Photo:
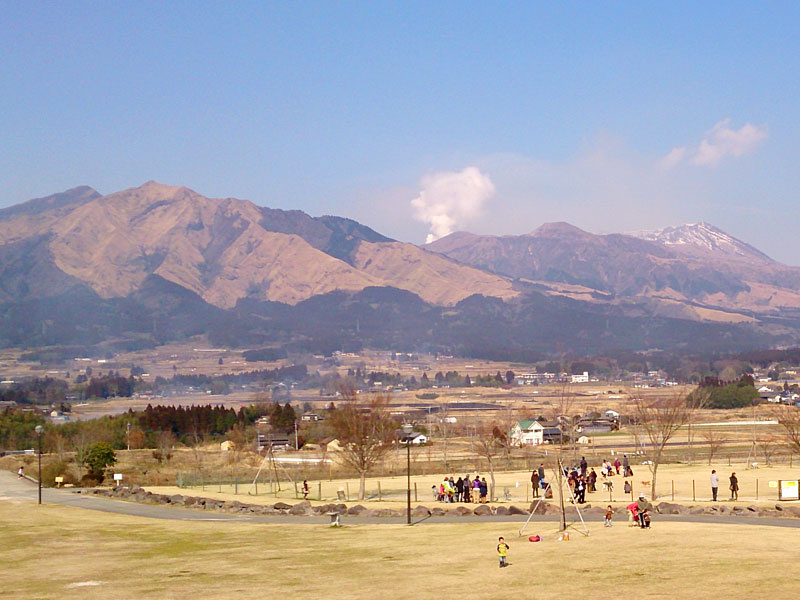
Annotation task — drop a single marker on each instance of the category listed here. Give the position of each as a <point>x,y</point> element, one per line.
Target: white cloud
<point>450,199</point>
<point>720,142</point>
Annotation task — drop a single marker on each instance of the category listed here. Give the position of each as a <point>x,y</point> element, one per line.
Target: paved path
<point>14,489</point>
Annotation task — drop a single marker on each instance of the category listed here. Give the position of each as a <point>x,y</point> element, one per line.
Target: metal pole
<point>408,481</point>
<point>40,467</point>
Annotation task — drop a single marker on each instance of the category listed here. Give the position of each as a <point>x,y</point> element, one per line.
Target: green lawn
<point>59,552</point>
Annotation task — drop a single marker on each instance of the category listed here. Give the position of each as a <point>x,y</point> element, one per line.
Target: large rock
<point>281,506</point>
<point>301,508</point>
<point>482,509</point>
<point>501,510</point>
<point>792,510</point>
<point>668,508</point>
<point>594,510</point>
<point>438,512</point>
<point>462,511</point>
<point>539,508</point>
<point>420,511</point>
<point>516,510</point>
<point>176,499</point>
<point>355,510</point>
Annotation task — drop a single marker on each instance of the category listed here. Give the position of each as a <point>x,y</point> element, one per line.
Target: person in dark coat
<point>592,480</point>
<point>459,489</point>
<point>535,483</point>
<point>584,466</point>
<point>580,490</point>
<point>734,487</point>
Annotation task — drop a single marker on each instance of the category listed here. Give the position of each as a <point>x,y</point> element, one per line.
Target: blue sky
<point>490,118</point>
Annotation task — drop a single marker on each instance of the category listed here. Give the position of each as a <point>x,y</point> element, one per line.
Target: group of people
<point>461,490</point>
<point>582,479</point>
<point>734,485</point>
<point>639,513</point>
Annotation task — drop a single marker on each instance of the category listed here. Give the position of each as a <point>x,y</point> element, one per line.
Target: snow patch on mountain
<point>703,236</point>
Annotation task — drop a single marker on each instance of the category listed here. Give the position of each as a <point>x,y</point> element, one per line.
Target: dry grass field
<point>60,552</point>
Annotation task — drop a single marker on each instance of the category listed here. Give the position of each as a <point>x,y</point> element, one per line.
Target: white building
<point>581,378</point>
<point>527,433</point>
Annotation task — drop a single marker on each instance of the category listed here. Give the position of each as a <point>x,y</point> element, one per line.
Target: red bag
<point>534,538</point>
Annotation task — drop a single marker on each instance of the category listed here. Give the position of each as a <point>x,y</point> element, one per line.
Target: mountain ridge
<point>158,262</point>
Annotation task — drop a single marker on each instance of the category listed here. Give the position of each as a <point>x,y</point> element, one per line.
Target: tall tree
<point>659,420</point>
<point>486,445</point>
<point>365,433</point>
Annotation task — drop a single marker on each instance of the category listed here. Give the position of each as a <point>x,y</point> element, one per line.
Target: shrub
<point>56,469</point>
<point>98,457</point>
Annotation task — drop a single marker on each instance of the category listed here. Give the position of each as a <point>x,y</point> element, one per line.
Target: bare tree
<point>506,419</point>
<point>166,442</point>
<point>81,442</point>
<point>487,445</point>
<point>789,419</point>
<point>768,445</point>
<point>659,421</point>
<point>364,432</point>
<point>714,440</point>
<point>560,414</point>
<point>444,429</point>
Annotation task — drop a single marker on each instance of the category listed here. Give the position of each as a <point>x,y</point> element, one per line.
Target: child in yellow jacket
<point>502,552</point>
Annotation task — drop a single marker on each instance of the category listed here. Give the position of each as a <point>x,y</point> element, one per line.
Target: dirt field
<point>393,490</point>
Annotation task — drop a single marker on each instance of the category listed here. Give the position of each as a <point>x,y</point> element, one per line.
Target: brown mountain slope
<point>697,265</point>
<point>432,277</point>
<point>228,249</point>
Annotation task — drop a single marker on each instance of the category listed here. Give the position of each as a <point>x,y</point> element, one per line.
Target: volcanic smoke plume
<point>449,200</point>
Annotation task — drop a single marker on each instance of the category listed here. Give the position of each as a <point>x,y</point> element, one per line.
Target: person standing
<point>580,490</point>
<point>476,490</point>
<point>625,464</point>
<point>484,488</point>
<point>592,479</point>
<point>584,466</point>
<point>616,465</point>
<point>502,552</point>
<point>535,483</point>
<point>467,489</point>
<point>459,489</point>
<point>714,485</point>
<point>541,472</point>
<point>609,514</point>
<point>305,489</point>
<point>734,487</point>
<point>21,472</point>
<point>642,506</point>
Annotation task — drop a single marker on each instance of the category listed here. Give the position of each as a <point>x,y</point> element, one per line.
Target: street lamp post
<point>38,429</point>
<point>407,429</point>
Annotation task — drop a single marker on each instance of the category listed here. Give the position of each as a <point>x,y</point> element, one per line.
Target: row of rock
<point>304,508</point>
<point>752,510</point>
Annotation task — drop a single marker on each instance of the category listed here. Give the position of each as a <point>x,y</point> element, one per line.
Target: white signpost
<point>789,490</point>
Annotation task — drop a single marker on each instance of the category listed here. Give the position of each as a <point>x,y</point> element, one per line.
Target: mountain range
<point>158,262</point>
